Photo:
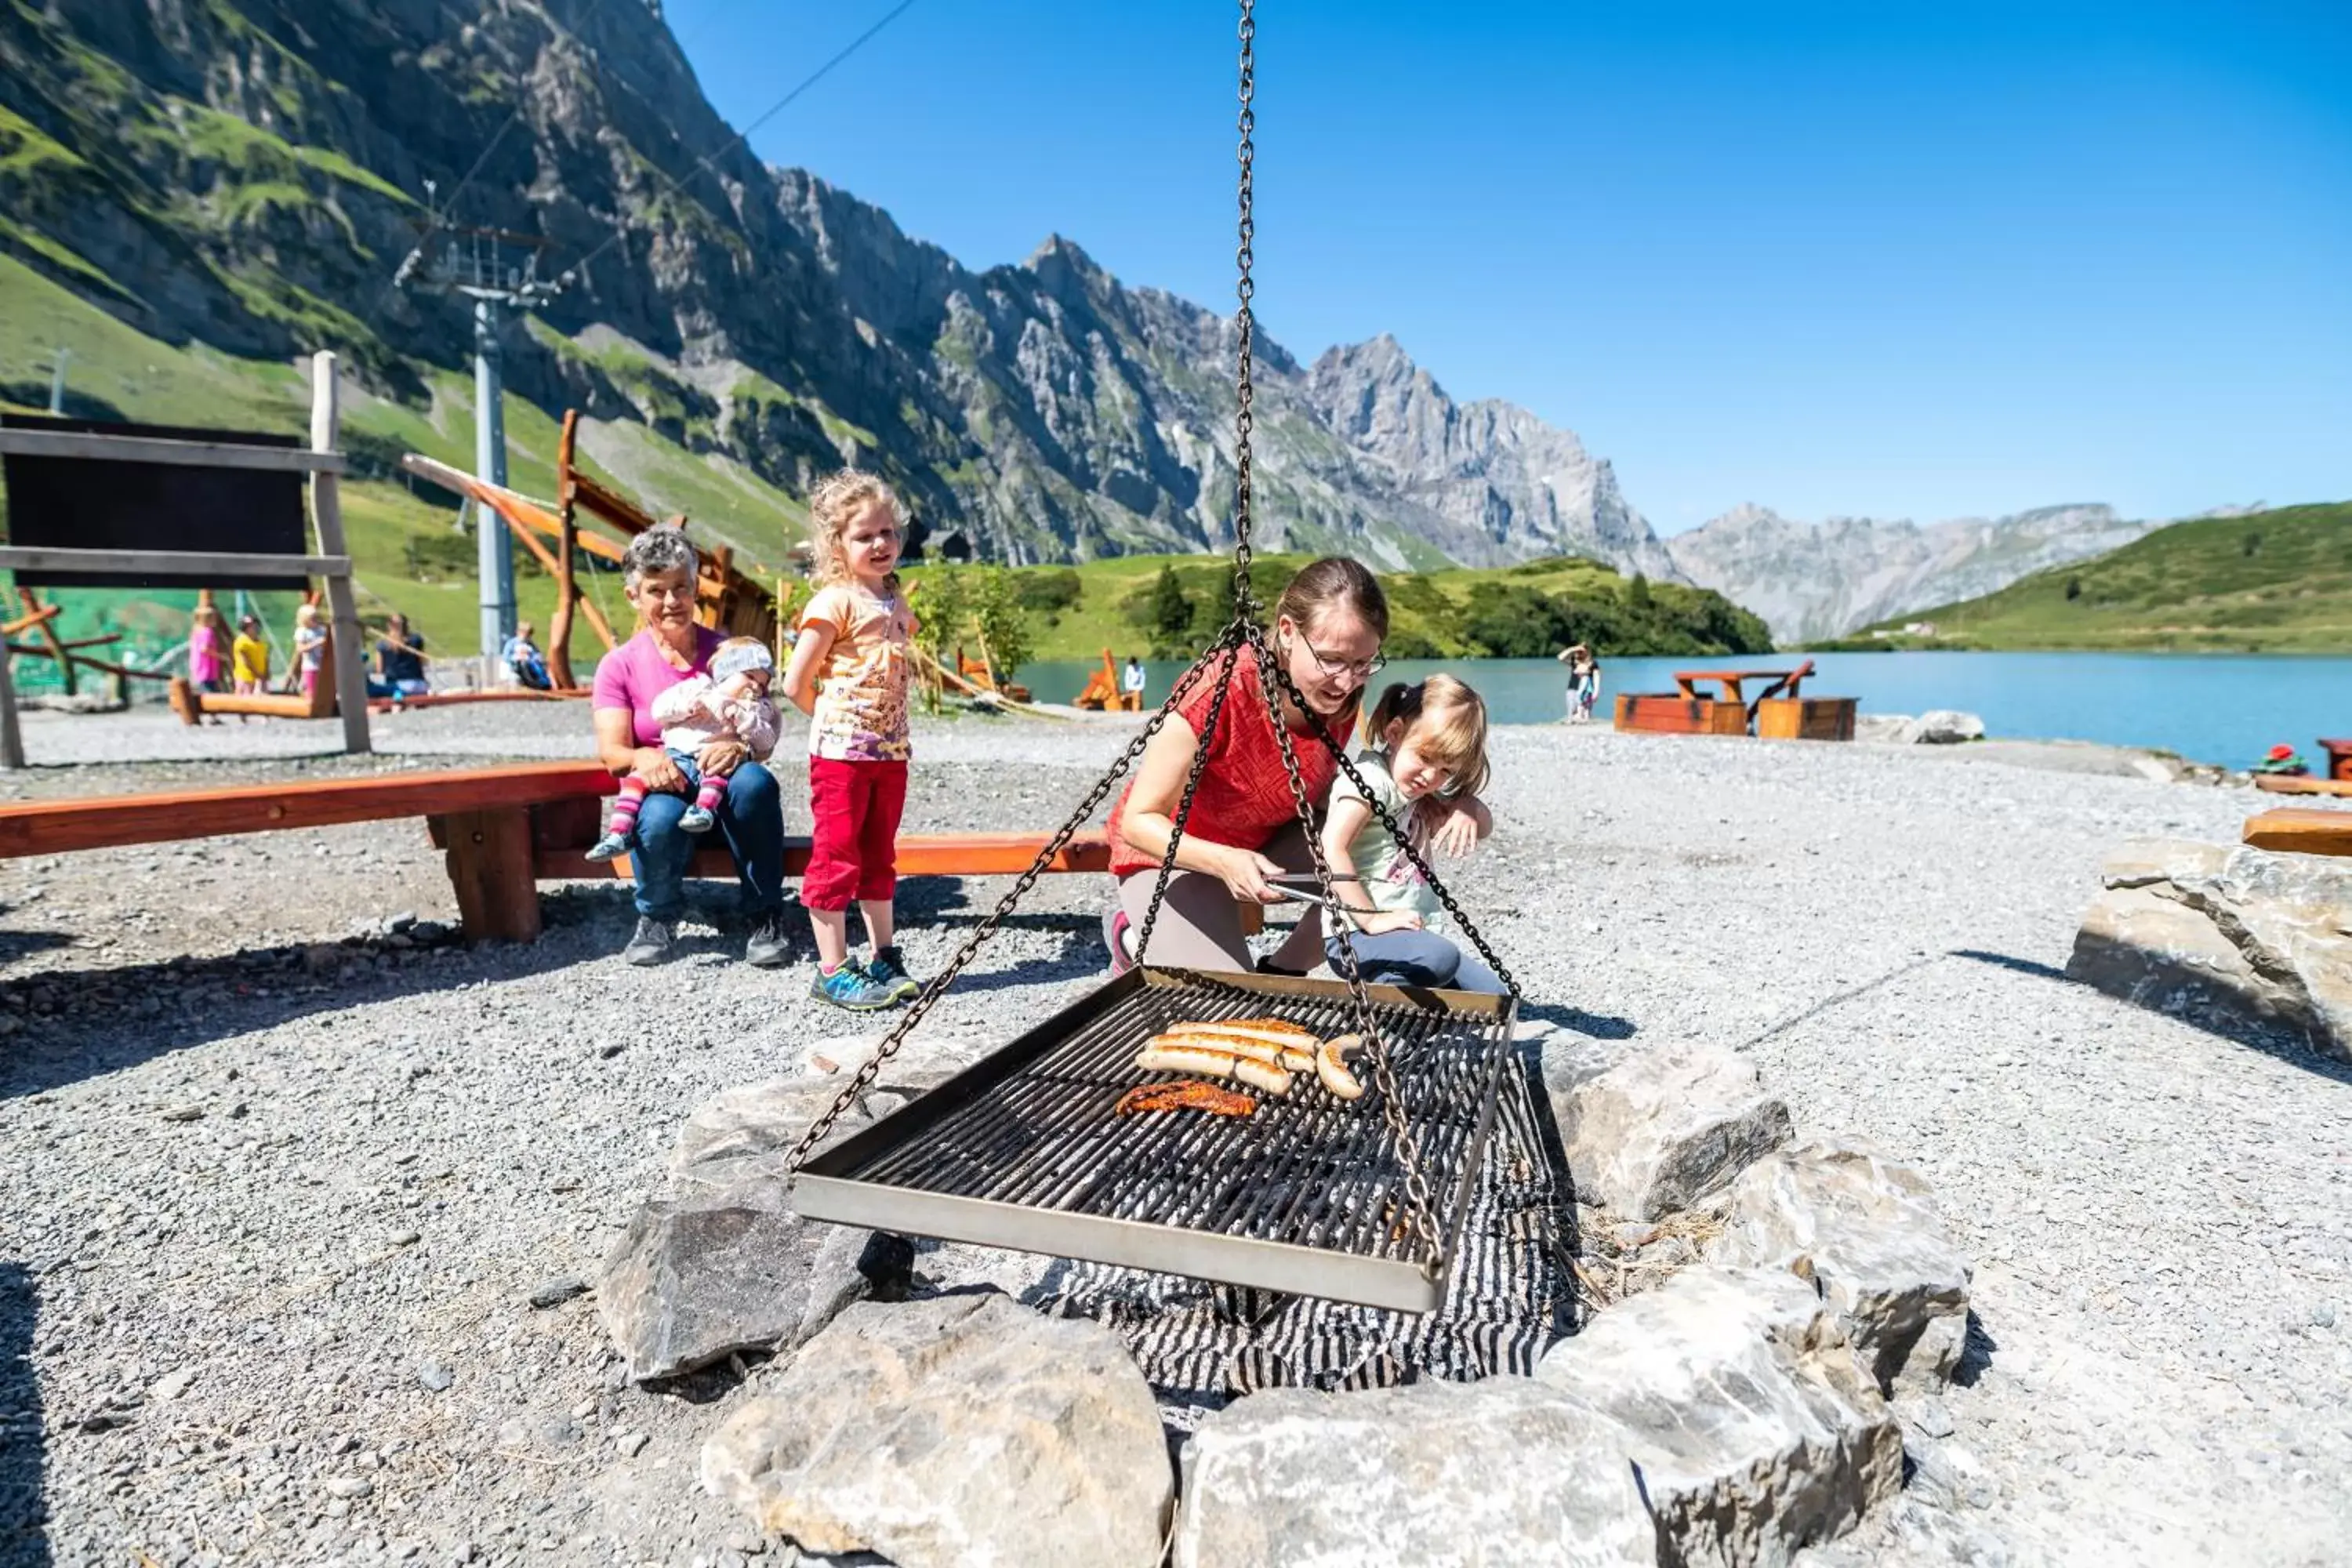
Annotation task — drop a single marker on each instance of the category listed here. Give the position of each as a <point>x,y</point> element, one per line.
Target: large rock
<point>1944,727</point>
<point>2225,934</point>
<point>965,1430</point>
<point>1754,1430</point>
<point>1660,1129</point>
<point>724,1264</point>
<point>1504,1471</point>
<point>1865,1230</point>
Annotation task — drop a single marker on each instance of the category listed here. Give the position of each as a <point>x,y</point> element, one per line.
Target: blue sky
<point>1894,260</point>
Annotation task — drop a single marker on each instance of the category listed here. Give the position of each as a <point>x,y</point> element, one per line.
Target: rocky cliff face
<point>249,173</point>
<point>1820,580</point>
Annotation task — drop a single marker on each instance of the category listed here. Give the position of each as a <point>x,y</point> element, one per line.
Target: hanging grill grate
<point>1306,1195</point>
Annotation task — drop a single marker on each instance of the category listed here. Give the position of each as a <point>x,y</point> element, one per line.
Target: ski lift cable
<point>705,163</point>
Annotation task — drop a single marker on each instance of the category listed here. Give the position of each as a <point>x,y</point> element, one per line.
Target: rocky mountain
<point>1820,579</point>
<point>248,174</point>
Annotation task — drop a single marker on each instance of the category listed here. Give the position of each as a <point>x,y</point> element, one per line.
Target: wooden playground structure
<point>1101,693</point>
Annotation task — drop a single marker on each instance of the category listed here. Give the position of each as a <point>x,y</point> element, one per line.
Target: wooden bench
<point>504,830</point>
<point>2306,830</point>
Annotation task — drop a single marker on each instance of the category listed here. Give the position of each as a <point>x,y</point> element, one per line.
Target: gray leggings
<point>1199,926</point>
<point>1415,958</point>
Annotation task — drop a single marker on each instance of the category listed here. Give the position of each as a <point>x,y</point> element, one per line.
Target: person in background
<point>1588,690</point>
<point>249,655</point>
<point>310,646</point>
<point>522,656</point>
<point>207,652</point>
<point>657,573</point>
<point>1130,685</point>
<point>399,661</point>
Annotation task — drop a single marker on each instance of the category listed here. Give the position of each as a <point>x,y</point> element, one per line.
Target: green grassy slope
<point>1528,610</point>
<point>2273,581</point>
<point>405,552</point>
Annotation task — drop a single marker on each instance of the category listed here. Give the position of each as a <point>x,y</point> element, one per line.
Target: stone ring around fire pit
<point>1751,1303</point>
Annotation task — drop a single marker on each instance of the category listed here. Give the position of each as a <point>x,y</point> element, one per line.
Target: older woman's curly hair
<point>657,550</point>
<point>834,505</point>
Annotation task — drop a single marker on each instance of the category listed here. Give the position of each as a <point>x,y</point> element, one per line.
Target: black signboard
<point>104,503</point>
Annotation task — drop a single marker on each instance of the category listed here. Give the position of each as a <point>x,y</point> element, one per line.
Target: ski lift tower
<point>498,270</point>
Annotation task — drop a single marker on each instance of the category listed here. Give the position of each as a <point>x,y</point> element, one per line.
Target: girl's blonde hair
<point>306,614</point>
<point>206,615</point>
<point>834,505</point>
<point>1447,720</point>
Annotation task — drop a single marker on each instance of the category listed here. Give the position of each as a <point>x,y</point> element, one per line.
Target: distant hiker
<point>207,654</point>
<point>310,646</point>
<point>250,656</point>
<point>524,659</point>
<point>399,661</point>
<point>1583,682</point>
<point>2282,763</point>
<point>1131,682</point>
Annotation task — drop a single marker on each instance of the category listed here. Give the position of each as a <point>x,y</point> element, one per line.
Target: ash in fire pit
<point>1508,1297</point>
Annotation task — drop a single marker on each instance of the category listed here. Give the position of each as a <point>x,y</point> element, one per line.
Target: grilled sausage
<point>1331,1066</point>
<point>1166,1054</point>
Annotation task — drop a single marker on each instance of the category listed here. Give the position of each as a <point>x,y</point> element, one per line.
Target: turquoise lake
<point>2212,707</point>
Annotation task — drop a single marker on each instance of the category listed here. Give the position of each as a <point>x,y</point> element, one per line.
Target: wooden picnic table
<point>1784,682</point>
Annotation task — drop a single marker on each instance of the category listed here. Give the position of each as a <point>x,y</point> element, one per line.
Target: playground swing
<point>1351,1200</point>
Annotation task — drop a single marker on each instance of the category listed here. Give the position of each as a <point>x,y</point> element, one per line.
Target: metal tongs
<point>1300,896</point>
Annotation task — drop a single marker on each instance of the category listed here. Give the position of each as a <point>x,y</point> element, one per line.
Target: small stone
<point>1933,1417</point>
<point>184,1113</point>
<point>435,1377</point>
<point>631,1444</point>
<point>346,1444</point>
<point>555,1292</point>
<point>824,1064</point>
<point>1631,1237</point>
<point>427,931</point>
<point>407,1238</point>
<point>405,921</point>
<point>611,1050</point>
<point>347,1486</point>
<point>171,1385</point>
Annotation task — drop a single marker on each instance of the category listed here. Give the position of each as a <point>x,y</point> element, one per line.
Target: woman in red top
<point>1243,829</point>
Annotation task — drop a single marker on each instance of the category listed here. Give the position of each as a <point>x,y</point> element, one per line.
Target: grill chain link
<point>1421,1212</point>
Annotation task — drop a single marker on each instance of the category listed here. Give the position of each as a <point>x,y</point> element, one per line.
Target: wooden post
<point>47,630</point>
<point>11,742</point>
<point>327,517</point>
<point>567,494</point>
<point>492,871</point>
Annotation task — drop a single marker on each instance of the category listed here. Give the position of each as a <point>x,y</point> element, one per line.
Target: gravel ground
<point>277,1211</point>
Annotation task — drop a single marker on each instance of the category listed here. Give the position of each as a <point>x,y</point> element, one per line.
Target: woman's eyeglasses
<point>1357,669</point>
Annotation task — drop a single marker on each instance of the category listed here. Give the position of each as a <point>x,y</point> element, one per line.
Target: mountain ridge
<point>1811,580</point>
<point>242,173</point>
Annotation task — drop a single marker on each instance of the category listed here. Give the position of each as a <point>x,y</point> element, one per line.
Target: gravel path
<point>278,1210</point>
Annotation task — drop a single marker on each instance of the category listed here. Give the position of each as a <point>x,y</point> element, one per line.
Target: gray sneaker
<point>889,969</point>
<point>653,942</point>
<point>771,946</point>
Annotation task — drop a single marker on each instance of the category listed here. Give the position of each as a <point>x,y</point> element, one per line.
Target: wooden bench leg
<point>1253,917</point>
<point>490,868</point>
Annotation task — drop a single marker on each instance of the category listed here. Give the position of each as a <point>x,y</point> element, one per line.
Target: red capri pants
<point>855,853</point>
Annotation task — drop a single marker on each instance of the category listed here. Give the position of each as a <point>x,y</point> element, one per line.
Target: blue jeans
<point>1414,958</point>
<point>752,820</point>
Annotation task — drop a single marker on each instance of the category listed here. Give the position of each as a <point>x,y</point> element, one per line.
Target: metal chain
<point>1246,605</point>
<point>1421,1209</point>
<point>863,1080</point>
<point>1228,646</point>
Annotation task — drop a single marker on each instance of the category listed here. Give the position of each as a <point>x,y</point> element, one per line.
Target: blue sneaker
<point>612,847</point>
<point>888,970</point>
<point>850,988</point>
<point>695,819</point>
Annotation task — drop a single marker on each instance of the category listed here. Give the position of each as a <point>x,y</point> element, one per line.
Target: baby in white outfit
<point>730,704</point>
